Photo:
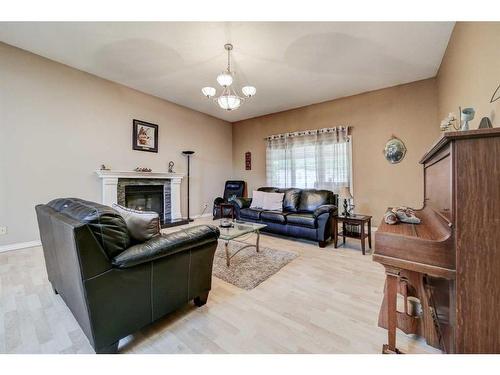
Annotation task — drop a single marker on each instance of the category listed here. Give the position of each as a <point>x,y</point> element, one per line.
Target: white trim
<point>200,216</point>
<point>134,174</point>
<point>110,187</point>
<point>19,246</point>
<point>175,198</point>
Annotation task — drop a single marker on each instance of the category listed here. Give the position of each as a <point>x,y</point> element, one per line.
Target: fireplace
<point>146,198</point>
<point>155,191</point>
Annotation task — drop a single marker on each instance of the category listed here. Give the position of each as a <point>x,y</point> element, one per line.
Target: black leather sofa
<point>112,285</point>
<point>307,213</point>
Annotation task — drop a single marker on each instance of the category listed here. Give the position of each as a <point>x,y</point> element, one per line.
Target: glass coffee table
<point>239,228</point>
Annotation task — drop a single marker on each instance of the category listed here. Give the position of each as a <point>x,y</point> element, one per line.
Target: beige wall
<point>408,112</point>
<point>58,125</point>
<point>470,71</point>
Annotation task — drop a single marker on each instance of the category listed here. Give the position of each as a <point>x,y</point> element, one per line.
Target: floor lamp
<point>188,154</point>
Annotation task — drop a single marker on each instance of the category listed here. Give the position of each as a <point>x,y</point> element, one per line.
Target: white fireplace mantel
<point>110,186</point>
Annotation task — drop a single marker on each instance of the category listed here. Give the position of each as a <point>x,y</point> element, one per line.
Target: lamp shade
<point>208,91</point>
<point>345,193</point>
<point>229,102</point>
<point>249,91</point>
<point>225,79</point>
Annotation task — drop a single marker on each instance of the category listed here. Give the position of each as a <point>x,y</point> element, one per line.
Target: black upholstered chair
<point>233,189</point>
<point>113,285</point>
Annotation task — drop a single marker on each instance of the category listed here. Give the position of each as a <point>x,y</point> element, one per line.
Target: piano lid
<point>426,247</point>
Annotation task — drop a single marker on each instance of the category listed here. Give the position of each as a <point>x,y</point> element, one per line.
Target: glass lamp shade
<point>345,193</point>
<point>249,91</point>
<point>208,91</point>
<point>229,102</point>
<point>225,79</point>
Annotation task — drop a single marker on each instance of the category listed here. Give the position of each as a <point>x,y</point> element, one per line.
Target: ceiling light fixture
<point>228,100</point>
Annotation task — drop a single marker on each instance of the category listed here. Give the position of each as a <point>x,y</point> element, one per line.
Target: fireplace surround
<point>145,189</point>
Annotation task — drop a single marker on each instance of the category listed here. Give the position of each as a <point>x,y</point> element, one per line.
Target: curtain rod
<point>309,132</point>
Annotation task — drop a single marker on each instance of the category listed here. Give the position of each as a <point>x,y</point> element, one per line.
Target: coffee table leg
<point>257,241</point>
<point>228,258</point>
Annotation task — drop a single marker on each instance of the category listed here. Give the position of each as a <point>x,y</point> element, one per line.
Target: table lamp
<point>345,194</point>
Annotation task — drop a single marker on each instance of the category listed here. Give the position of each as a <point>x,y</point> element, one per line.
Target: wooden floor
<point>325,301</point>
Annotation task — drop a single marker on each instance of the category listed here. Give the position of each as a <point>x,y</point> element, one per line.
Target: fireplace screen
<point>145,198</point>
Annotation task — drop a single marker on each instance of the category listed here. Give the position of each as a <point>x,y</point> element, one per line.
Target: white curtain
<point>319,159</point>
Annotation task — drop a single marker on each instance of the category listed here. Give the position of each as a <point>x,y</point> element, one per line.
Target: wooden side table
<point>226,208</point>
<point>349,223</point>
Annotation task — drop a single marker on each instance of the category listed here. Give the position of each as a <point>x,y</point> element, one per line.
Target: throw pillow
<point>273,201</point>
<point>257,199</point>
<point>142,225</point>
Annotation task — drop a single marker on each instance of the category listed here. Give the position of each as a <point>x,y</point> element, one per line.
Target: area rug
<point>249,268</point>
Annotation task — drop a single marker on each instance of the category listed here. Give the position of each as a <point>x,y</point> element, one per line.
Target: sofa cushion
<point>142,225</point>
<point>273,201</point>
<point>273,216</point>
<point>302,219</point>
<point>257,199</point>
<point>106,224</point>
<point>291,200</point>
<point>312,199</point>
<point>250,213</point>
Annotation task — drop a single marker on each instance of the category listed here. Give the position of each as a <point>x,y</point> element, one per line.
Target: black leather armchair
<point>306,213</point>
<point>232,189</point>
<point>113,286</point>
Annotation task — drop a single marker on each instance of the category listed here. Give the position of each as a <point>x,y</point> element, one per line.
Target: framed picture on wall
<point>248,161</point>
<point>144,136</point>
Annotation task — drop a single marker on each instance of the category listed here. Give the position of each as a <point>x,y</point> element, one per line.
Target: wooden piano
<point>445,272</point>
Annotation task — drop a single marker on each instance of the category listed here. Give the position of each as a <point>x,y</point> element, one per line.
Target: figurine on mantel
<point>171,167</point>
<point>104,168</point>
<point>142,169</point>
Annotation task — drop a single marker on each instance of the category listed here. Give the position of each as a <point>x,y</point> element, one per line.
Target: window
<point>319,159</point>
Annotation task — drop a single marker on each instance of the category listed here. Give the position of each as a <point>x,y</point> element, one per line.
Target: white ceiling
<point>291,64</point>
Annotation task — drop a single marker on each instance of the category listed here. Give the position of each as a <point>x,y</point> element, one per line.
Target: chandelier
<point>229,98</point>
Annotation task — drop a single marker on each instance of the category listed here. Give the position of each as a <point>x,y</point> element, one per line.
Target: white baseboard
<point>200,216</point>
<point>19,246</point>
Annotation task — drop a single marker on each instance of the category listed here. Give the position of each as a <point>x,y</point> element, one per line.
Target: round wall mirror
<point>395,150</point>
